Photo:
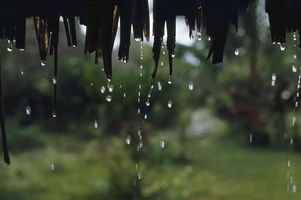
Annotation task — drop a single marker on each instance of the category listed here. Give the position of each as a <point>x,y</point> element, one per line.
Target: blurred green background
<point>216,132</point>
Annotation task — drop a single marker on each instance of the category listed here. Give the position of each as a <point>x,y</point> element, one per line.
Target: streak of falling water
<point>52,166</point>
<point>190,86</point>
<point>159,86</point>
<point>95,124</point>
<point>294,68</point>
<point>21,71</point>
<point>28,110</point>
<point>162,144</point>
<point>274,77</point>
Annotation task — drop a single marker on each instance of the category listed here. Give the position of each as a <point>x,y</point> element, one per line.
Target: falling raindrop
<point>294,188</point>
<point>295,56</point>
<point>91,84</point>
<point>54,114</point>
<point>95,124</point>
<point>173,55</point>
<point>147,103</point>
<point>52,166</point>
<point>236,52</point>
<point>137,39</point>
<point>128,140</point>
<point>140,176</point>
<point>124,95</point>
<point>169,104</point>
<point>21,49</point>
<point>108,98</point>
<point>43,63</point>
<point>28,110</point>
<point>162,144</point>
<point>110,88</point>
<point>274,77</point>
<point>251,138</point>
<point>159,86</point>
<point>145,116</point>
<point>162,64</point>
<point>294,68</point>
<point>190,86</point>
<point>103,89</point>
<point>288,163</point>
<point>169,80</point>
<point>282,47</point>
<point>21,72</point>
<point>9,46</point>
<point>54,81</point>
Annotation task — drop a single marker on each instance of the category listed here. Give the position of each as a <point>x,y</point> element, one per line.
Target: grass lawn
<point>211,167</point>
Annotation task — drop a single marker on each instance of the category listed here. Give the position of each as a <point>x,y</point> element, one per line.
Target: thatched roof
<point>102,16</point>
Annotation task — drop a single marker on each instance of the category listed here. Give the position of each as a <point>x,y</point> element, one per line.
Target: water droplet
<point>162,64</point>
<point>110,87</point>
<point>236,52</point>
<point>103,89</point>
<point>282,47</point>
<point>137,39</point>
<point>43,63</point>
<point>21,49</point>
<point>54,81</point>
<point>53,114</point>
<point>124,95</point>
<point>9,46</point>
<point>251,138</point>
<point>21,72</point>
<point>159,86</point>
<point>173,55</point>
<point>145,116</point>
<point>190,86</point>
<point>74,46</point>
<point>128,140</point>
<point>162,144</point>
<point>147,103</point>
<point>169,80</point>
<point>294,188</point>
<point>28,110</point>
<point>141,66</point>
<point>95,124</point>
<point>209,39</point>
<point>91,84</point>
<point>108,98</point>
<point>169,104</point>
<point>288,163</point>
<point>52,166</point>
<point>140,176</point>
<point>294,68</point>
<point>274,77</point>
